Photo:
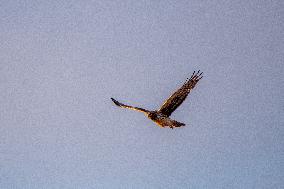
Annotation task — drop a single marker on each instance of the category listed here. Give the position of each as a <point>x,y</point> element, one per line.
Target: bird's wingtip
<point>115,102</point>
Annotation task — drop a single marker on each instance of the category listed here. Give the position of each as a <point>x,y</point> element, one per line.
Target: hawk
<point>161,116</point>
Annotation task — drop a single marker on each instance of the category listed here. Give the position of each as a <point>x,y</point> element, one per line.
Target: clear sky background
<point>61,61</point>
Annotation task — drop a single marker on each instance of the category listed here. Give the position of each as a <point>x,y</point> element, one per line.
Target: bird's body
<point>161,116</point>
<point>163,120</point>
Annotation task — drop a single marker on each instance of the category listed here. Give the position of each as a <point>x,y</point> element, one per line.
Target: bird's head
<point>152,115</point>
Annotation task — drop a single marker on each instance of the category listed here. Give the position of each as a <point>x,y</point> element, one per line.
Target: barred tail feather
<point>178,124</point>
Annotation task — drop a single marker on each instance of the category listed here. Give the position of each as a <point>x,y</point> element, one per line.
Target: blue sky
<point>62,61</point>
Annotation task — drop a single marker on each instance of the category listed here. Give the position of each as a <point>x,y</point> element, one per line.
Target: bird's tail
<point>174,123</point>
<point>178,124</point>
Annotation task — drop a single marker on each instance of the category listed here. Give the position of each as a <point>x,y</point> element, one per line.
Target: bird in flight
<point>161,116</point>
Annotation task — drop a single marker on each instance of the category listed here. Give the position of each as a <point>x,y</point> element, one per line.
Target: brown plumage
<point>161,116</point>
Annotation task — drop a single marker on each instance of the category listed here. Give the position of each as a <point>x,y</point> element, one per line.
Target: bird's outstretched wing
<point>180,95</point>
<point>129,107</point>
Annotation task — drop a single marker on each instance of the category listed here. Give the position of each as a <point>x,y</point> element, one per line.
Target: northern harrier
<point>161,116</point>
